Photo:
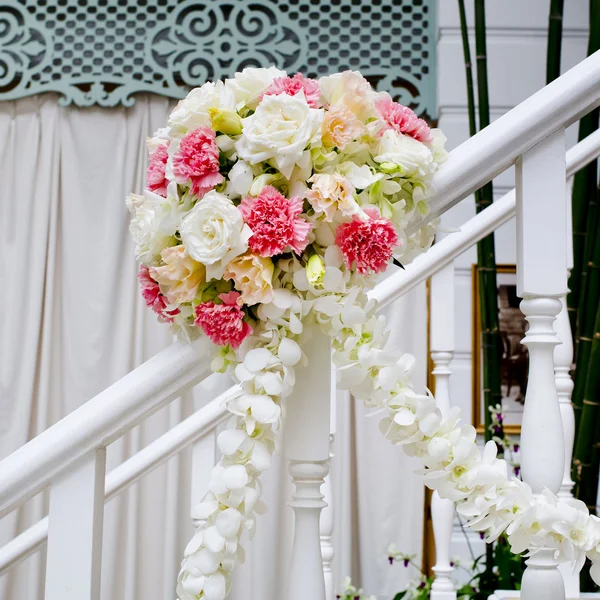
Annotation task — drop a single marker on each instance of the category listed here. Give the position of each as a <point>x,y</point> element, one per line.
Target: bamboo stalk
<point>486,251</point>
<point>584,185</point>
<point>587,382</point>
<point>486,270</point>
<point>555,26</point>
<point>588,449</point>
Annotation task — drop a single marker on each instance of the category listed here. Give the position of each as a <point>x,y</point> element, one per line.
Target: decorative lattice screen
<point>104,51</point>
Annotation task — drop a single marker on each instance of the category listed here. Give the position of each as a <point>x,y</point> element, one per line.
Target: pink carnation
<point>294,85</point>
<point>275,222</point>
<point>197,161</point>
<point>157,182</point>
<point>223,323</point>
<point>154,297</point>
<point>369,244</point>
<point>403,120</point>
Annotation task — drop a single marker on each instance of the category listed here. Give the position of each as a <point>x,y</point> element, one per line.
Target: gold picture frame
<point>515,358</point>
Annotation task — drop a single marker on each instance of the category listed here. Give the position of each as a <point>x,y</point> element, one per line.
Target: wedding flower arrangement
<point>272,204</point>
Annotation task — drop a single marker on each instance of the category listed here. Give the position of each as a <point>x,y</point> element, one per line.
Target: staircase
<point>69,458</point>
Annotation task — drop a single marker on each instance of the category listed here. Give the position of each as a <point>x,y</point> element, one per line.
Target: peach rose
<point>331,192</point>
<point>252,276</point>
<point>180,276</point>
<point>340,127</point>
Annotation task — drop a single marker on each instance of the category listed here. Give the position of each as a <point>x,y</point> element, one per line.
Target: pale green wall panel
<point>104,51</point>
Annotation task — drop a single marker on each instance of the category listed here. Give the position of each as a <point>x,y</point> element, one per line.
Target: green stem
<point>555,26</point>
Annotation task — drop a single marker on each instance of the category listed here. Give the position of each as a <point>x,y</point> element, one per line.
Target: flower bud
<point>225,121</point>
<point>315,270</point>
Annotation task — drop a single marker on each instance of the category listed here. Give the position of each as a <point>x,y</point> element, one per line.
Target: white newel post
<point>542,282</point>
<point>75,530</point>
<point>327,518</point>
<point>442,349</point>
<point>307,430</point>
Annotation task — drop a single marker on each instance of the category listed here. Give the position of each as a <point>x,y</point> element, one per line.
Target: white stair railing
<point>529,135</point>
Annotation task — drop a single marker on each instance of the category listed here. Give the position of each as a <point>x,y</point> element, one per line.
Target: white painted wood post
<point>307,448</point>
<point>76,517</point>
<point>327,519</point>
<point>563,359</point>
<point>542,282</point>
<point>442,349</point>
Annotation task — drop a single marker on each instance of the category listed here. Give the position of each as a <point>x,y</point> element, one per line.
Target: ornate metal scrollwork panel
<point>105,51</point>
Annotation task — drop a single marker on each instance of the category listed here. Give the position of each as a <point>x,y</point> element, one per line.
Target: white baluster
<point>442,348</point>
<point>541,282</point>
<point>75,530</point>
<point>563,358</point>
<point>307,448</point>
<point>327,514</point>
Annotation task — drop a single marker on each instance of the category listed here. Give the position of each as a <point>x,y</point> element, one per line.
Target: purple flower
<point>451,563</point>
<point>391,559</point>
<point>499,417</point>
<point>497,430</point>
<point>421,585</point>
<point>516,448</point>
<point>481,535</point>
<point>517,471</point>
<point>406,562</point>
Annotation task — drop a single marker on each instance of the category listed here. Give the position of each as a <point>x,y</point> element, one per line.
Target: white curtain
<point>72,322</point>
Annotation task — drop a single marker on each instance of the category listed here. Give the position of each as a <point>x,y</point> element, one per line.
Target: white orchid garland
<point>380,376</point>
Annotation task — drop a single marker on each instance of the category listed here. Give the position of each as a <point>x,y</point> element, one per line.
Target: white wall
<point>516,46</point>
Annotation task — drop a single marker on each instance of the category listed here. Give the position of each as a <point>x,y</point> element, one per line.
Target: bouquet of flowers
<point>271,202</point>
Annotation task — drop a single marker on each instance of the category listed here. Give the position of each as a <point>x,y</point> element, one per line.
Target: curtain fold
<point>72,322</point>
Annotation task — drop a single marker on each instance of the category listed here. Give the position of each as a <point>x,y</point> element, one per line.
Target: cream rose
<point>403,151</point>
<point>252,276</point>
<point>352,90</point>
<point>180,275</point>
<point>332,192</point>
<point>248,86</point>
<point>192,111</point>
<point>340,127</point>
<point>214,233</point>
<point>280,130</point>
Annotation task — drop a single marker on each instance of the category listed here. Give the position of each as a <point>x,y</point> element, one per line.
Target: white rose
<point>192,111</point>
<point>240,179</point>
<point>214,233</point>
<point>413,157</point>
<point>248,86</point>
<point>280,129</point>
<point>155,221</point>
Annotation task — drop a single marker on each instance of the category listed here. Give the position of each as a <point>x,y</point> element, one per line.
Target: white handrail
<point>497,147</point>
<point>475,229</point>
<point>128,472</point>
<point>163,377</point>
<point>101,420</point>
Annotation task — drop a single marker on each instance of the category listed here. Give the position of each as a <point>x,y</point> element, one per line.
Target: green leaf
<point>400,595</point>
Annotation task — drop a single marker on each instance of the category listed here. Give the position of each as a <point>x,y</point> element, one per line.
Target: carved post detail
<point>542,282</point>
